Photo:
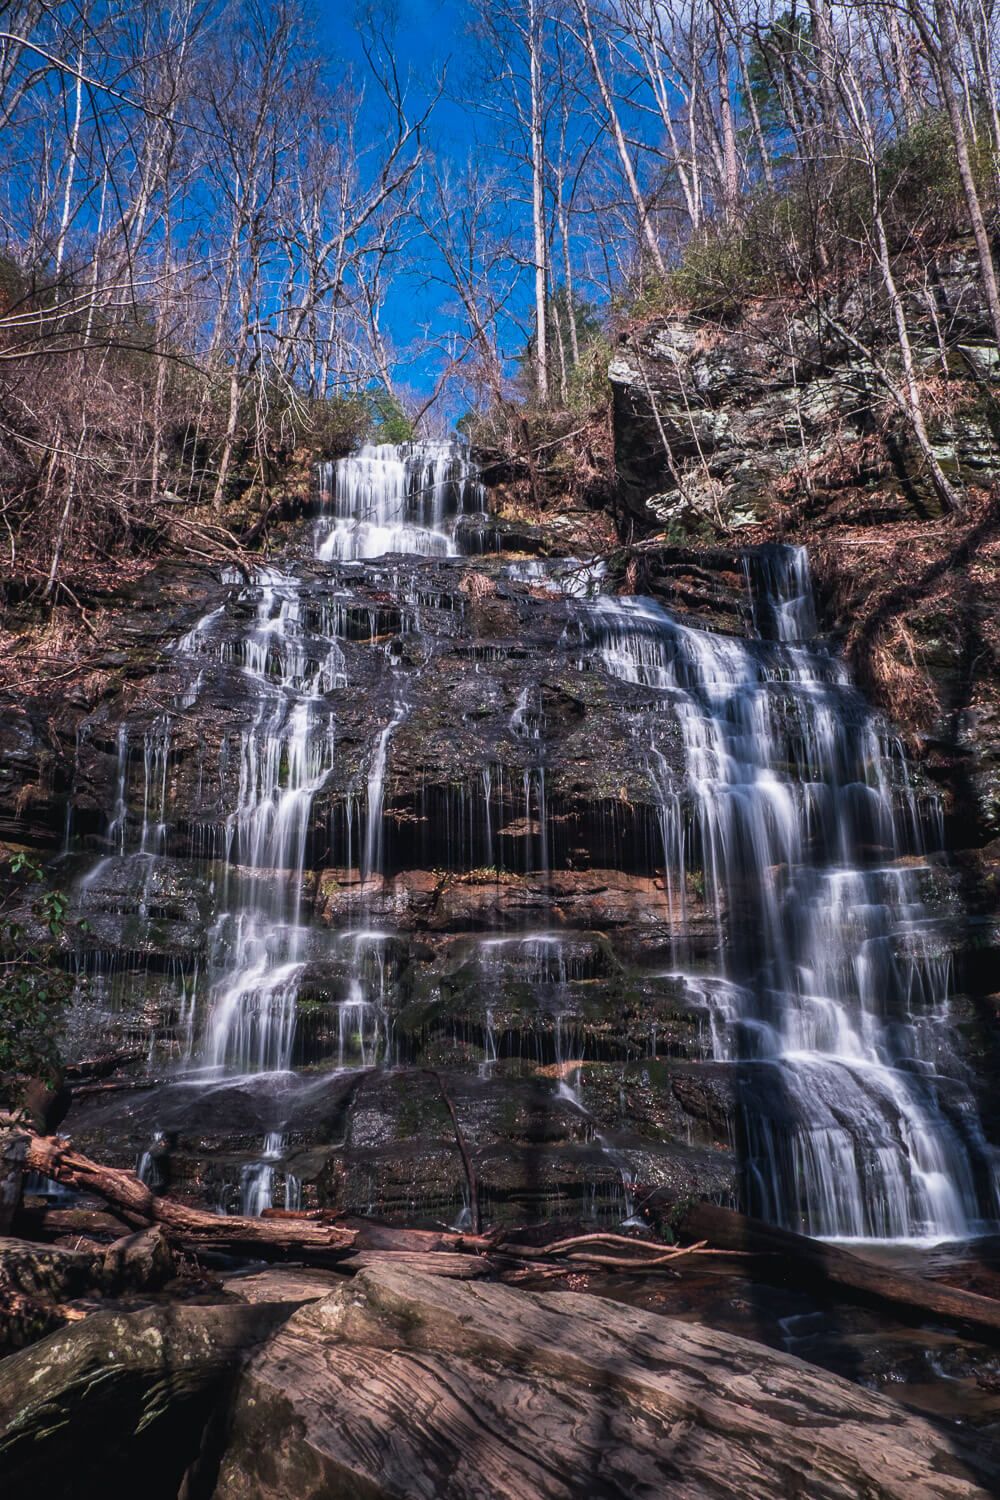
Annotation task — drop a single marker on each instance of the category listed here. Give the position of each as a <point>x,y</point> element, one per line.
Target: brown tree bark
<point>53,1157</point>
<point>788,1258</point>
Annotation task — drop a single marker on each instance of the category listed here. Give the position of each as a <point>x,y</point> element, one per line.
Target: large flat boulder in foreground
<point>404,1385</point>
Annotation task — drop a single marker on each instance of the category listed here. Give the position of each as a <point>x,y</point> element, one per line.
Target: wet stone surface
<point>388,846</point>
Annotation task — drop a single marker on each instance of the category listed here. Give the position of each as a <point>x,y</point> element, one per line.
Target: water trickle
<point>284,758</point>
<point>257,1178</point>
<point>372,853</point>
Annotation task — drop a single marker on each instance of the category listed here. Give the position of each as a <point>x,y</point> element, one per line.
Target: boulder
<point>38,1281</point>
<point>117,1404</point>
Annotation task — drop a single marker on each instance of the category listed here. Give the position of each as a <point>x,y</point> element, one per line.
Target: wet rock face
<point>494,960</point>
<point>441,888</point>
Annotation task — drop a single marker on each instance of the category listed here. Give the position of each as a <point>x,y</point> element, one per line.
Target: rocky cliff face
<point>718,417</point>
<point>766,423</point>
<point>497,971</point>
<point>486,912</point>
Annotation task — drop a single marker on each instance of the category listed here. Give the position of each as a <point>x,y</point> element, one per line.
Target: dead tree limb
<point>53,1157</point>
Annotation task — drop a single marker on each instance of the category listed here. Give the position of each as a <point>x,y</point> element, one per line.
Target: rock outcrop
<point>717,414</point>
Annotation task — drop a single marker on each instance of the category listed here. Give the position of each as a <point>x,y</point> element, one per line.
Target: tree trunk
<point>784,1257</point>
<point>624,155</point>
<point>731,170</point>
<point>538,204</point>
<point>132,1199</point>
<point>984,252</point>
<point>13,1152</point>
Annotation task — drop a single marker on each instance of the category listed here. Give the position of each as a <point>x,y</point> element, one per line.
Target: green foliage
<point>718,272</point>
<point>920,182</point>
<point>588,381</point>
<point>389,421</point>
<point>785,44</point>
<point>564,313</point>
<point>34,987</point>
<point>11,282</point>
<point>334,426</point>
<point>469,425</point>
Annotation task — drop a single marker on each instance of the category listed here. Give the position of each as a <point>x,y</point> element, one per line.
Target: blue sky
<point>430,36</point>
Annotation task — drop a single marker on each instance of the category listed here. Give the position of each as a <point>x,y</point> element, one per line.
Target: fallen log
<point>89,1068</point>
<point>99,1403</point>
<point>134,1202</point>
<point>373,1235</point>
<point>401,1384</point>
<point>452,1266</point>
<point>52,1223</point>
<point>781,1256</point>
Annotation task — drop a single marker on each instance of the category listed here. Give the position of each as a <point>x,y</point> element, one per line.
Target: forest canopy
<point>238,230</point>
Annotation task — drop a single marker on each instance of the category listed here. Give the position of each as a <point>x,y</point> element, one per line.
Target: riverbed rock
<point>402,1385</point>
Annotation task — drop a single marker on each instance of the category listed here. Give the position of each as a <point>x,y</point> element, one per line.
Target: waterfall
<point>385,498</point>
<point>284,759</point>
<point>792,851</point>
<point>803,818</point>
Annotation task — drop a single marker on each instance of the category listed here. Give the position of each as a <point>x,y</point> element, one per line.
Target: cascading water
<point>284,758</point>
<point>386,498</point>
<point>381,499</point>
<point>799,810</point>
<point>788,827</point>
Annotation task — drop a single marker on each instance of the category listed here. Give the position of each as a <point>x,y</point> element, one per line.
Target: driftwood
<point>616,1252</point>
<point>451,1265</point>
<point>772,1254</point>
<point>375,1236</point>
<point>795,1259</point>
<point>401,1384</point>
<point>59,1223</point>
<point>133,1201</point>
<point>116,1404</point>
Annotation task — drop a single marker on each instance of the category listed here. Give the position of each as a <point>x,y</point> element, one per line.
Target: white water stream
<point>793,806</point>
